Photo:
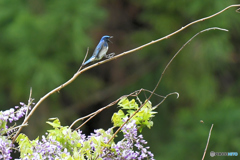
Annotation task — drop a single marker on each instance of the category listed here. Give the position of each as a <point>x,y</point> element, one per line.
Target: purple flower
<point>125,148</point>
<point>5,148</point>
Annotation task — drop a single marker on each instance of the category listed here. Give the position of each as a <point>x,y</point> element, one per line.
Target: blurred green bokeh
<point>43,43</point>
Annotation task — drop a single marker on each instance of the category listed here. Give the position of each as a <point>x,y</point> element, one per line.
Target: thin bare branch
<point>153,108</point>
<point>46,96</point>
<point>135,94</point>
<point>84,60</point>
<point>238,10</point>
<point>213,28</point>
<point>154,93</point>
<point>91,115</point>
<point>209,135</point>
<point>29,102</point>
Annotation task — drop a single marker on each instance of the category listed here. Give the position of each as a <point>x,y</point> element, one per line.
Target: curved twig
<point>91,115</point>
<point>238,10</point>
<point>153,108</point>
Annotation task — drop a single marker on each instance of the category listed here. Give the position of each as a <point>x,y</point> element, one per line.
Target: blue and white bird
<point>101,50</point>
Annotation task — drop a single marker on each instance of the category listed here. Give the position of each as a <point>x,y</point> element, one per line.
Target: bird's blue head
<point>107,38</point>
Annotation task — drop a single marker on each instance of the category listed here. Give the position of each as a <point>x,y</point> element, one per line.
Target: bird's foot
<point>110,55</point>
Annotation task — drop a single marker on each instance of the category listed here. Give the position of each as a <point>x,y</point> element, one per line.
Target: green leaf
<point>117,118</point>
<point>123,102</point>
<point>55,123</point>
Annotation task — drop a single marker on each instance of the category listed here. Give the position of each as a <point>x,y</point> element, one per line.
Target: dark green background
<point>43,43</point>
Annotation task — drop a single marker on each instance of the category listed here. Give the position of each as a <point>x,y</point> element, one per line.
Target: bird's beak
<point>109,39</point>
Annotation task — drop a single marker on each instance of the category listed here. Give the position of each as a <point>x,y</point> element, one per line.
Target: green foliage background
<point>43,43</point>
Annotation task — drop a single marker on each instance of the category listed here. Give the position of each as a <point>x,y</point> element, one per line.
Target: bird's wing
<point>98,48</point>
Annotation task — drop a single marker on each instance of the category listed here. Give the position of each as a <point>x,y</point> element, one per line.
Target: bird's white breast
<point>103,52</point>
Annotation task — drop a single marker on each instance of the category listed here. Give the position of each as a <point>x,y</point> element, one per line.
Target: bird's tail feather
<point>88,61</point>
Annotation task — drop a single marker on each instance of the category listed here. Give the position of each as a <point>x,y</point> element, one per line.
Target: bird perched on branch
<point>100,51</point>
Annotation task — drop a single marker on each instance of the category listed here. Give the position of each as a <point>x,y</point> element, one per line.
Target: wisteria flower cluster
<point>124,148</point>
<point>62,143</point>
<point>9,116</point>
<point>5,148</point>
